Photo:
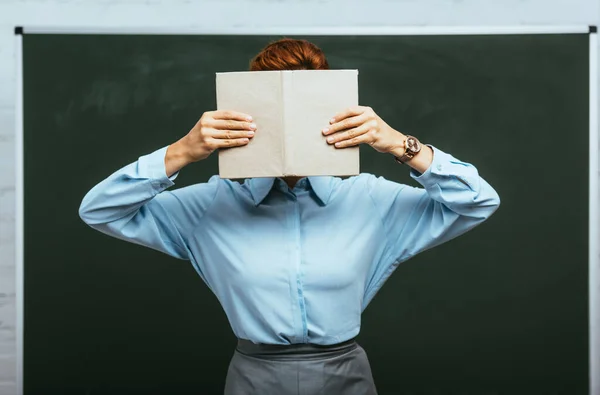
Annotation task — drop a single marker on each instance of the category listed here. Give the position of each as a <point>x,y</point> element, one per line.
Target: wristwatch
<point>412,146</point>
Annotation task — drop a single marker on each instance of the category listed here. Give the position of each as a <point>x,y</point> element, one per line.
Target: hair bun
<point>290,54</point>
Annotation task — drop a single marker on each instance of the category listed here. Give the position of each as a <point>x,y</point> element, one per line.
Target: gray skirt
<point>299,369</point>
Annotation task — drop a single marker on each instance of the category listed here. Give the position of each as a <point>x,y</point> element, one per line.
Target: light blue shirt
<point>291,265</point>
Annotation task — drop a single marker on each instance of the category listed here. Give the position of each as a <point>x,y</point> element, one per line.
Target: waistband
<point>299,351</point>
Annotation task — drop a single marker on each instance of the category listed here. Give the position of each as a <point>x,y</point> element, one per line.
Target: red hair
<point>289,54</point>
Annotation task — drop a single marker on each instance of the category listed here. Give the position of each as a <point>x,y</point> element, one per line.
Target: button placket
<point>298,261</point>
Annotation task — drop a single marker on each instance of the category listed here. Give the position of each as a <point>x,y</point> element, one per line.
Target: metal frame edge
<point>594,174</point>
<point>594,216</point>
<point>324,30</point>
<point>19,217</point>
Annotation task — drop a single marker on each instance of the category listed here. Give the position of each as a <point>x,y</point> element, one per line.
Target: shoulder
<point>375,185</point>
<point>231,188</point>
<point>363,185</point>
<point>223,186</point>
<point>362,180</point>
<point>216,191</point>
<point>200,193</point>
<point>211,185</point>
<point>216,182</point>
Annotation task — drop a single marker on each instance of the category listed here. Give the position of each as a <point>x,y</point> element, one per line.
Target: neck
<point>291,181</point>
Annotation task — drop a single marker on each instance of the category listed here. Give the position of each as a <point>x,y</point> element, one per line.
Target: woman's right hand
<point>215,129</point>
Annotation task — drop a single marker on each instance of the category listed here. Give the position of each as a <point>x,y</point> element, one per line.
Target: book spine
<point>286,78</point>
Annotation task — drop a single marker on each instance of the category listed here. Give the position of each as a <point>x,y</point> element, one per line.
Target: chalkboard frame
<point>594,167</point>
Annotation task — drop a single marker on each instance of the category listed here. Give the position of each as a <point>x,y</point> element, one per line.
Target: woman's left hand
<point>358,125</point>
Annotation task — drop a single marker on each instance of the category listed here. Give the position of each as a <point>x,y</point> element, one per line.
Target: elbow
<point>490,204</point>
<point>89,215</point>
<point>496,201</point>
<point>482,205</point>
<point>83,212</point>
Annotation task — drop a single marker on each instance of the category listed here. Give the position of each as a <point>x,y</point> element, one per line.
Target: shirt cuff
<point>437,168</point>
<point>152,167</point>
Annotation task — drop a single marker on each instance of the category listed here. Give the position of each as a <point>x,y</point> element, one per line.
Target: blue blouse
<point>291,265</point>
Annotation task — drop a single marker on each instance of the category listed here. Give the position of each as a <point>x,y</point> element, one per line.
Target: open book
<point>290,110</point>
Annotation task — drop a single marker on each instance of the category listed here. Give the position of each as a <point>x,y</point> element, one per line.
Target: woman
<point>293,261</point>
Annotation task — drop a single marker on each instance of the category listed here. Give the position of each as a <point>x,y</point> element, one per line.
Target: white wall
<point>220,13</point>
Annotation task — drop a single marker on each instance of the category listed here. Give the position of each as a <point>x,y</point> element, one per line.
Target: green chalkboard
<point>500,310</point>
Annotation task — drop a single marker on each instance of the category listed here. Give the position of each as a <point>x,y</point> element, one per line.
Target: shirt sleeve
<point>453,200</point>
<point>133,204</point>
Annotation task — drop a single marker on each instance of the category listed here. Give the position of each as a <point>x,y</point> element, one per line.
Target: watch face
<point>412,144</point>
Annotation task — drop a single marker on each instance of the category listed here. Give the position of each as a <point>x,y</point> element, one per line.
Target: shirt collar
<point>261,186</point>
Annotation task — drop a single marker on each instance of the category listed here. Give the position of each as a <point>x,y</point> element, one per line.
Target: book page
<point>311,98</point>
<point>259,95</point>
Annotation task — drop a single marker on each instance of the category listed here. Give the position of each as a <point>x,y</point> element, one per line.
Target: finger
<point>363,138</point>
<point>348,134</point>
<point>348,112</point>
<point>229,114</point>
<point>347,123</point>
<point>232,125</point>
<point>231,134</point>
<point>228,143</point>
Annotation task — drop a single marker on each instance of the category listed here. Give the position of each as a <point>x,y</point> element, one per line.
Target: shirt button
<point>439,167</point>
